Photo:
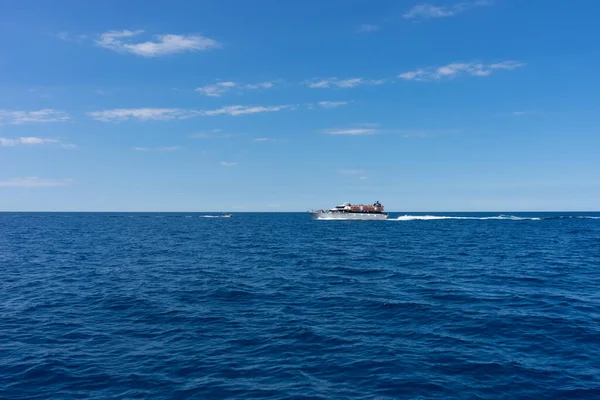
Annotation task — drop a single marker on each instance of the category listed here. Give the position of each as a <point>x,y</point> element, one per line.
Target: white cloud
<point>165,114</point>
<point>32,181</point>
<point>32,140</point>
<point>121,41</point>
<point>26,141</point>
<point>143,114</point>
<point>364,28</point>
<point>371,129</point>
<point>423,133</point>
<point>426,11</point>
<point>456,69</point>
<point>429,11</point>
<point>348,83</point>
<point>320,84</point>
<point>352,131</point>
<point>218,89</point>
<point>239,110</point>
<point>68,37</point>
<point>362,178</point>
<point>413,75</point>
<point>523,113</point>
<point>332,104</point>
<point>228,164</point>
<point>506,65</point>
<point>351,171</point>
<point>266,139</point>
<point>164,148</point>
<point>343,83</point>
<point>368,124</point>
<point>261,85</point>
<point>40,116</point>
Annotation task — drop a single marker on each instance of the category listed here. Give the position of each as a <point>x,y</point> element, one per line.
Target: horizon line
<point>290,212</point>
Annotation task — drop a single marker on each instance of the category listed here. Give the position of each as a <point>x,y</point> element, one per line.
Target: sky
<point>270,105</point>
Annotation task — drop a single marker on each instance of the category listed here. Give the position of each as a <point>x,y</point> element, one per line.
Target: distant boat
<point>355,212</point>
<point>225,215</point>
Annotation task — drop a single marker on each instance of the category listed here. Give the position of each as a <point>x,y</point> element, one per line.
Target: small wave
<point>210,216</point>
<point>440,217</point>
<point>346,219</point>
<point>573,217</point>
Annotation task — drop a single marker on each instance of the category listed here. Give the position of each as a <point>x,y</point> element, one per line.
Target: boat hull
<point>349,216</point>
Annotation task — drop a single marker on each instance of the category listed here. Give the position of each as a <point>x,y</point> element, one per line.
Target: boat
<point>225,215</point>
<point>349,211</point>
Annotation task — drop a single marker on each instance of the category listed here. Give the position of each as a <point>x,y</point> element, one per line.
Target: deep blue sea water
<point>280,306</point>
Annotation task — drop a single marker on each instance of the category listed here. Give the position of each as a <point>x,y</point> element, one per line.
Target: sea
<point>281,306</point>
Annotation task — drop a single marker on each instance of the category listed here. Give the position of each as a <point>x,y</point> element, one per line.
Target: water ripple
<point>278,306</point>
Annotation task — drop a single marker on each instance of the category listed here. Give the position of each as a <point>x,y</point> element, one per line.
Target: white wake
<point>439,217</point>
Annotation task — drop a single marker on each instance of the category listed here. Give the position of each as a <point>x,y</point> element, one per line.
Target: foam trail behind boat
<point>442,217</point>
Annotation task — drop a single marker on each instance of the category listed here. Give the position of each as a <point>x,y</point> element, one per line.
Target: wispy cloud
<point>220,88</point>
<point>365,28</point>
<point>342,83</point>
<point>372,129</point>
<point>352,131</point>
<point>351,171</point>
<point>320,84</point>
<point>33,182</point>
<point>165,114</point>
<point>40,95</point>
<point>69,37</point>
<point>228,164</point>
<point>368,124</point>
<point>217,89</point>
<point>24,117</point>
<point>214,133</point>
<point>261,85</point>
<point>142,114</point>
<point>32,140</point>
<point>240,110</point>
<point>332,104</point>
<point>267,139</point>
<point>457,69</point>
<point>99,91</point>
<point>427,11</point>
<point>124,42</point>
<point>164,148</point>
<point>26,141</point>
<point>523,113</point>
<point>424,133</point>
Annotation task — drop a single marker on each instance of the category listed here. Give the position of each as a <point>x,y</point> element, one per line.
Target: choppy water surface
<point>276,306</point>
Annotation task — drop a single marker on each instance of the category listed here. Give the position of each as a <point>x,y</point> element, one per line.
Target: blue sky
<point>268,105</point>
